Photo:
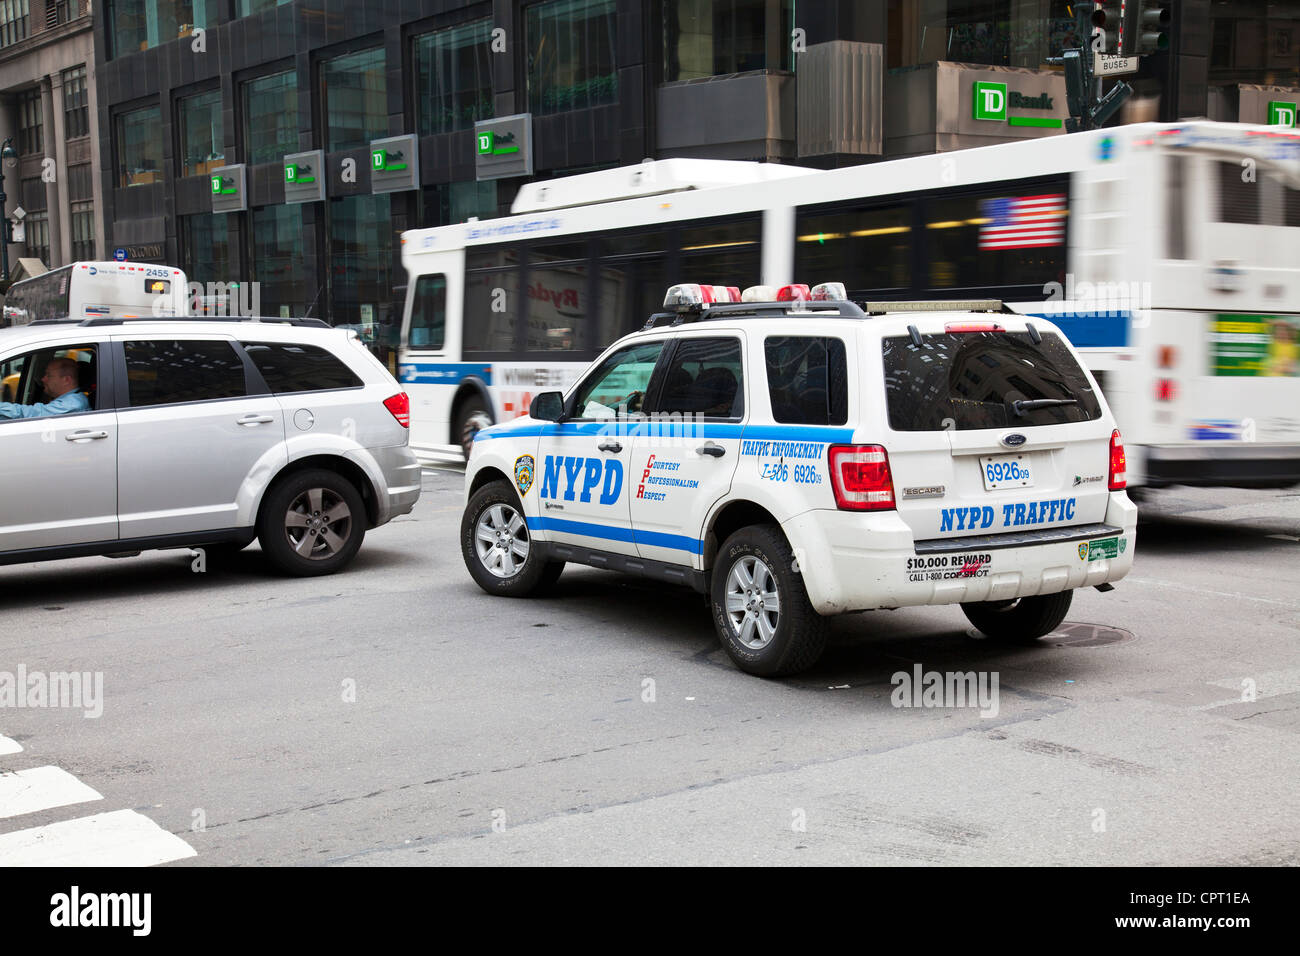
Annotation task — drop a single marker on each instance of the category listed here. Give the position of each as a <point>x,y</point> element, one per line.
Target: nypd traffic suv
<point>793,455</point>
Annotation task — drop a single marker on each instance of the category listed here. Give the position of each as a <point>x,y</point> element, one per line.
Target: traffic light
<point>1155,18</point>
<point>1076,83</point>
<point>1105,28</point>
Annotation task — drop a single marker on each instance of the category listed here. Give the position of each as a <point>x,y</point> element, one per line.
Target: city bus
<point>98,290</point>
<point>1168,253</point>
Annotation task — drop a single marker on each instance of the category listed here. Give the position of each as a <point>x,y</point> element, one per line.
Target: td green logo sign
<point>383,161</point>
<point>990,100</point>
<point>1282,114</point>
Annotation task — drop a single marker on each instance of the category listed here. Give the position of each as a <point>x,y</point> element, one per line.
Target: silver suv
<point>197,433</point>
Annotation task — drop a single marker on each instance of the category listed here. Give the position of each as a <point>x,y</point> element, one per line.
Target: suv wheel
<point>1023,620</point>
<point>471,417</point>
<point>312,523</point>
<point>496,545</point>
<point>760,607</point>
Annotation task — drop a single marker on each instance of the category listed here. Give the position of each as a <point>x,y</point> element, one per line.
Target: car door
<point>685,455</point>
<point>582,467</point>
<point>59,472</point>
<point>199,435</point>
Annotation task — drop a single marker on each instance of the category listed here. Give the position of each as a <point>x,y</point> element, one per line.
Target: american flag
<point>1019,222</point>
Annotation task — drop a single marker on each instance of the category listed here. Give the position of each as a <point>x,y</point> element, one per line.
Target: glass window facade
<point>360,259</point>
<point>139,147</point>
<point>987,32</point>
<point>270,117</point>
<point>14,17</point>
<point>356,99</point>
<point>570,46</point>
<point>246,7</point>
<point>202,139</point>
<point>83,231</point>
<point>76,104</point>
<point>277,260</point>
<point>445,203</point>
<point>209,247</point>
<point>135,25</point>
<point>37,226</point>
<point>714,37</point>
<point>1255,43</point>
<point>453,77</point>
<point>31,138</point>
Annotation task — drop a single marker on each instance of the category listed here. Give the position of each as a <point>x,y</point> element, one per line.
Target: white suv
<point>793,460</point>
<point>197,433</point>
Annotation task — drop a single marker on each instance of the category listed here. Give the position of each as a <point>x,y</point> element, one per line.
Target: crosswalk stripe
<point>40,788</point>
<point>119,838</point>
<point>8,746</point>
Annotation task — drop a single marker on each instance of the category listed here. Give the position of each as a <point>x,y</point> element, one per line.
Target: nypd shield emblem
<point>1083,551</point>
<point>524,473</point>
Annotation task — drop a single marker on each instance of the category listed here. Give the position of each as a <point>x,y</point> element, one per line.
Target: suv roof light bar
<point>935,305</point>
<point>755,310</point>
<point>122,320</point>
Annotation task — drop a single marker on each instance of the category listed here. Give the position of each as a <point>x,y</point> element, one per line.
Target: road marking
<point>119,838</point>
<point>1195,590</point>
<point>8,746</point>
<point>41,788</point>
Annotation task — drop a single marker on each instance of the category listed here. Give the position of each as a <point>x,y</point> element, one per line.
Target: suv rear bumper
<point>858,562</point>
<point>401,473</point>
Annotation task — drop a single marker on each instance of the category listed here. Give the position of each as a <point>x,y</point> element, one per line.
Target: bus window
<point>491,300</point>
<point>722,253</point>
<point>559,319</point>
<point>1176,208</point>
<point>990,241</point>
<point>429,313</point>
<point>1239,199</point>
<point>631,282</point>
<point>866,249</point>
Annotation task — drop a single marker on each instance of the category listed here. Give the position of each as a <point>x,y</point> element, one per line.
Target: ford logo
<point>1014,440</point>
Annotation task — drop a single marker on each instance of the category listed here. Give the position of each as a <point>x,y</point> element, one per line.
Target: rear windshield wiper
<point>1027,405</point>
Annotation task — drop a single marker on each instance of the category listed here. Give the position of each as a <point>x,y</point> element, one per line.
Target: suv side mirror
<point>547,407</point>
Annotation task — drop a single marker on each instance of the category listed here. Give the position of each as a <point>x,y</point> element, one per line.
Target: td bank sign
<point>992,101</point>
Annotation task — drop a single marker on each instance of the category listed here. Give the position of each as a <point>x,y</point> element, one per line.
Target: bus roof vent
<point>650,178</point>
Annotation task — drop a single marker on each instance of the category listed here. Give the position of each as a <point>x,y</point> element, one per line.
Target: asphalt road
<point>395,714</point>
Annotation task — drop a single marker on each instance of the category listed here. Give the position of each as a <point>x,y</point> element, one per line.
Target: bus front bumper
<point>1232,464</point>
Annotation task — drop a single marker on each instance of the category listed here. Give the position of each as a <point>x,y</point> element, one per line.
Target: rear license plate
<point>1005,471</point>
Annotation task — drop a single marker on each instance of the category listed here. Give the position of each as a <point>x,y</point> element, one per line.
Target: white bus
<point>1168,253</point>
<point>98,290</point>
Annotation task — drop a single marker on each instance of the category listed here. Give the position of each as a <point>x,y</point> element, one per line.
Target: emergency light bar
<point>935,305</point>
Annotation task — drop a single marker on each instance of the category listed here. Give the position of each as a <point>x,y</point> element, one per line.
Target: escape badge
<point>524,473</point>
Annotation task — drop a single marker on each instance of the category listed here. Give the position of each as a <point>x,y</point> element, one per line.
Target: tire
<point>293,535</point>
<point>761,639</point>
<point>1021,621</point>
<point>497,548</point>
<point>471,416</point>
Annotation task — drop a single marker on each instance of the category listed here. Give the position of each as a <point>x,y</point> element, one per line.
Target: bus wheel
<point>471,418</point>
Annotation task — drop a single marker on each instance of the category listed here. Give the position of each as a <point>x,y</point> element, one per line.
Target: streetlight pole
<point>6,154</point>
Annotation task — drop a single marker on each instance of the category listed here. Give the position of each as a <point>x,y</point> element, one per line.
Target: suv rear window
<point>289,367</point>
<point>971,380</point>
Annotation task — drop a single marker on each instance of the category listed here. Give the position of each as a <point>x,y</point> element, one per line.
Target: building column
<point>62,211</point>
<point>51,182</point>
<point>97,177</point>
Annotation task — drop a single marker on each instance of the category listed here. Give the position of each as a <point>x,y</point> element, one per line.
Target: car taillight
<point>400,406</point>
<point>860,477</point>
<point>1166,390</point>
<point>1118,480</point>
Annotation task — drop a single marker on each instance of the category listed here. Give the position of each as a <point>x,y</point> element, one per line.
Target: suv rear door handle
<point>613,446</point>
<point>85,434</point>
<point>708,448</point>
<point>254,420</point>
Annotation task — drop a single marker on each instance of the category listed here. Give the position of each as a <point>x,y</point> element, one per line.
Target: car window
<point>290,367</point>
<point>619,384</point>
<point>704,378</point>
<point>972,380</point>
<point>807,380</point>
<point>165,371</point>
<point>20,376</point>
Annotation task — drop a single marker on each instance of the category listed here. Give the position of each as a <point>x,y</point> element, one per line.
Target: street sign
<point>119,254</point>
<point>1104,65</point>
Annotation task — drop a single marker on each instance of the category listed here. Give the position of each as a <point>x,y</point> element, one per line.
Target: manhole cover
<point>1072,634</point>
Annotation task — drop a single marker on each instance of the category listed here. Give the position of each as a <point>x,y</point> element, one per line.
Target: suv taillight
<point>860,477</point>
<point>400,406</point>
<point>1118,480</point>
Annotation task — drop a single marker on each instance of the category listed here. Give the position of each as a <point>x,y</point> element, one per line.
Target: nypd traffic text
<point>1013,516</point>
